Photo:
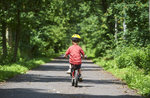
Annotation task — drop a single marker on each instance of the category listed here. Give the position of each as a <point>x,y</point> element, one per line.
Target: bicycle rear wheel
<point>72,78</point>
<point>76,78</point>
<point>72,81</point>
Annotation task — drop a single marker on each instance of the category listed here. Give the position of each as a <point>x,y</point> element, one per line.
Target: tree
<point>149,15</point>
<point>4,39</point>
<point>3,19</point>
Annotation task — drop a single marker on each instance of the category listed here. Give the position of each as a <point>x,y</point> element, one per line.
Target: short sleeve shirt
<point>75,52</point>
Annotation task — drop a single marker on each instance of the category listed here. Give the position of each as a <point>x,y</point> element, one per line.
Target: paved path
<point>51,81</point>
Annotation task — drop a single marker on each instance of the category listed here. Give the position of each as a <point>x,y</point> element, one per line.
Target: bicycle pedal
<point>80,79</point>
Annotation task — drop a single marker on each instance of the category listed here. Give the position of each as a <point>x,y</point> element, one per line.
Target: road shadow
<point>66,60</point>
<point>38,93</point>
<point>61,64</point>
<point>52,67</point>
<point>110,81</point>
<point>44,78</point>
<point>91,68</point>
<point>57,67</point>
<point>63,67</point>
<point>81,86</point>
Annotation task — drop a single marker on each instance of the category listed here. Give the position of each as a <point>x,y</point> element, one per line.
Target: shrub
<point>131,56</point>
<point>123,61</point>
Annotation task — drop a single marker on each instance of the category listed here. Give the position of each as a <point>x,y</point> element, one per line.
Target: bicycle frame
<point>74,76</point>
<point>73,72</point>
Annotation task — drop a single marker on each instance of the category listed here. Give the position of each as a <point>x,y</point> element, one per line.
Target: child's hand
<point>85,57</point>
<point>65,56</point>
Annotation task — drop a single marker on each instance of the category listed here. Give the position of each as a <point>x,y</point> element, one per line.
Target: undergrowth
<point>22,66</point>
<point>131,64</point>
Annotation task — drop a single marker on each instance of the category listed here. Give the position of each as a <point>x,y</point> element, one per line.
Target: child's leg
<point>69,70</point>
<point>80,76</point>
<point>80,71</point>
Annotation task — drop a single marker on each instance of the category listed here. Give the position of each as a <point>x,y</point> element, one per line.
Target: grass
<point>130,64</point>
<point>21,67</point>
<point>133,76</point>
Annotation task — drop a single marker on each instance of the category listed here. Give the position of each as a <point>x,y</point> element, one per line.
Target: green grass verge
<point>21,67</point>
<point>133,76</point>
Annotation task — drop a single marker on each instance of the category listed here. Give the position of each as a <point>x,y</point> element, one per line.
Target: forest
<point>115,34</point>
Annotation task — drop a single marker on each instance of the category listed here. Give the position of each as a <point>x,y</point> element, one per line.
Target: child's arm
<point>67,53</point>
<point>65,56</point>
<point>83,56</point>
<point>82,52</point>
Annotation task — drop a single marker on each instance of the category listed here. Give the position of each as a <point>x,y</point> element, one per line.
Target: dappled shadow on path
<point>49,93</point>
<point>57,67</point>
<point>62,65</point>
<point>52,68</point>
<point>40,78</point>
<point>64,60</point>
<point>43,78</point>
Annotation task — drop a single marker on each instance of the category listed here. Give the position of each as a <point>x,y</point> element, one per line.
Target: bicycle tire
<point>76,78</point>
<point>72,81</point>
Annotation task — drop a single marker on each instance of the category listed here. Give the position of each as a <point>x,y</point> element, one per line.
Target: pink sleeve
<point>82,52</point>
<point>68,51</point>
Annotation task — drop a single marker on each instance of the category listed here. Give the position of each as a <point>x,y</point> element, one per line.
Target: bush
<point>10,70</point>
<point>131,64</point>
<point>131,56</point>
<point>123,61</point>
<point>100,49</point>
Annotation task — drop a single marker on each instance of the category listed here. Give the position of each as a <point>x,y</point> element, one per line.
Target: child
<point>75,52</point>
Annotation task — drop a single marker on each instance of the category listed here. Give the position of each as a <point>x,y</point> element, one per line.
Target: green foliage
<point>131,56</point>
<point>135,78</point>
<point>46,27</point>
<point>135,15</point>
<point>130,64</point>
<point>113,29</point>
<point>21,67</point>
<point>43,28</point>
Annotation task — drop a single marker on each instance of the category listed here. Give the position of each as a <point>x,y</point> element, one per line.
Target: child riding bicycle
<point>75,52</point>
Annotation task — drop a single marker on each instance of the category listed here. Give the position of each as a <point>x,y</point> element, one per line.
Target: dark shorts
<point>75,66</point>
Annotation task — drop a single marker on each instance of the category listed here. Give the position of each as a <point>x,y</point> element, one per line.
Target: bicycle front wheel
<point>73,81</point>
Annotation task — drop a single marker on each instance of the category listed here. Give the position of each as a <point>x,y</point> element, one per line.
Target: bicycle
<point>75,76</point>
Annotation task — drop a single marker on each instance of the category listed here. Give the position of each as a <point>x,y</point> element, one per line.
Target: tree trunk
<point>10,41</point>
<point>149,15</point>
<point>104,5</point>
<point>124,24</point>
<point>16,37</point>
<point>4,39</point>
<point>116,30</point>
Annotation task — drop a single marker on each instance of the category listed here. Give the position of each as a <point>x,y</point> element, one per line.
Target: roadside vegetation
<point>8,71</point>
<point>130,64</point>
<point>117,38</point>
<point>115,33</point>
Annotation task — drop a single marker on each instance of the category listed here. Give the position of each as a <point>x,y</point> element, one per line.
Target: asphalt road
<point>51,81</point>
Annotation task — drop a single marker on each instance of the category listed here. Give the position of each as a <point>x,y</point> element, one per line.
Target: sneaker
<point>69,71</point>
<point>80,78</point>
